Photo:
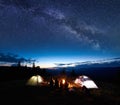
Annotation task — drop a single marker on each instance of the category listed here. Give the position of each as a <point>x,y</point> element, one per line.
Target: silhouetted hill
<point>108,74</point>
<point>17,73</point>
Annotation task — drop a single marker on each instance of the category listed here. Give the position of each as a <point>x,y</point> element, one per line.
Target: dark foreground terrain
<point>17,93</point>
<point>14,91</point>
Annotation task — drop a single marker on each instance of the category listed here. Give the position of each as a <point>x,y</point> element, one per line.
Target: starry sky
<point>59,31</point>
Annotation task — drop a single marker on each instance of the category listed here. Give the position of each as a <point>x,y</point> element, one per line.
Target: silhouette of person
<point>66,85</point>
<point>61,84</point>
<point>56,83</point>
<point>51,82</point>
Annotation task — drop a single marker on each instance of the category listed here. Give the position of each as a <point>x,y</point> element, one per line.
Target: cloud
<point>65,64</point>
<point>103,62</point>
<point>12,58</point>
<point>60,64</point>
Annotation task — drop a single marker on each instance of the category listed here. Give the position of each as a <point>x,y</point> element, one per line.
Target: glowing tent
<point>85,81</point>
<point>35,80</point>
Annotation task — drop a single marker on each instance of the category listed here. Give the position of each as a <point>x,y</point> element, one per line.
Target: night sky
<point>59,31</point>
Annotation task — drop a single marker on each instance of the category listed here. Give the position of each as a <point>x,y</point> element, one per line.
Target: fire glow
<point>63,81</point>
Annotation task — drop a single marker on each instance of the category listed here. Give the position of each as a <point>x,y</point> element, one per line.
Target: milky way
<point>60,30</point>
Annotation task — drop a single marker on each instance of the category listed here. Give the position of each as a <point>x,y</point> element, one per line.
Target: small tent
<point>85,81</point>
<point>35,80</point>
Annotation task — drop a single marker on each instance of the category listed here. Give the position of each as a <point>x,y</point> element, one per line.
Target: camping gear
<point>35,80</point>
<point>85,81</point>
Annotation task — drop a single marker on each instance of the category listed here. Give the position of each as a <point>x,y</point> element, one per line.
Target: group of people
<point>54,83</point>
<point>58,84</point>
<point>63,84</point>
